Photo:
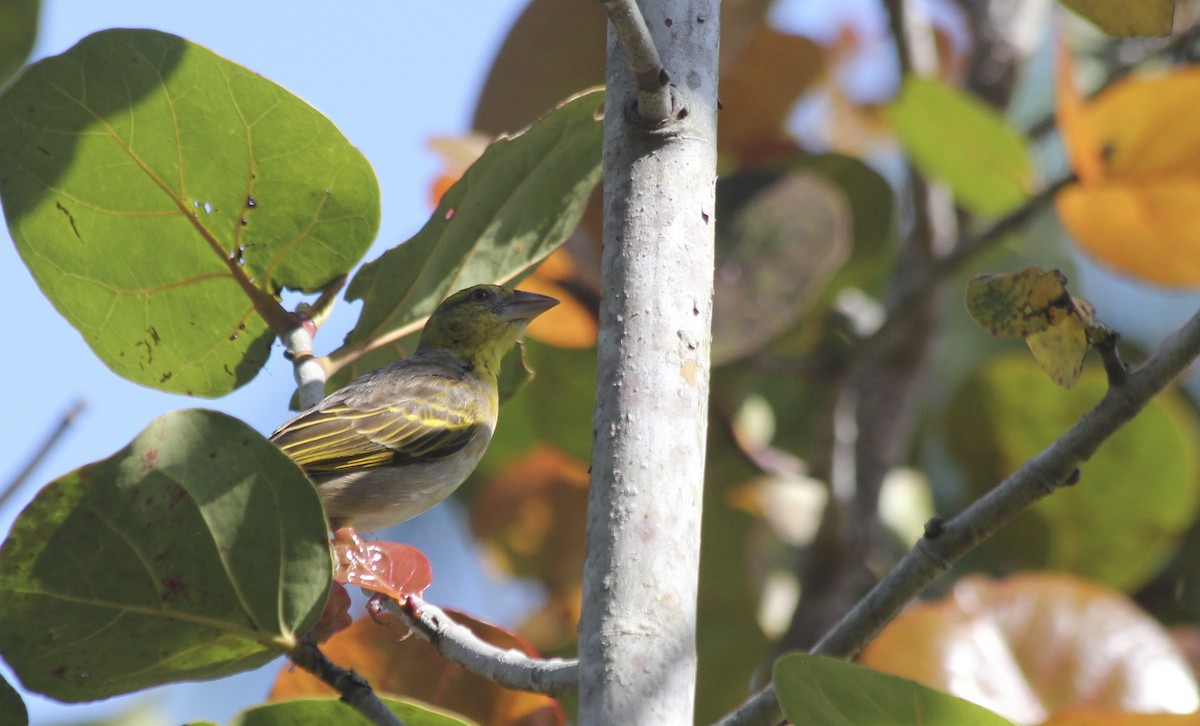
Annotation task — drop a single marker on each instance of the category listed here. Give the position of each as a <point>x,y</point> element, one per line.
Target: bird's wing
<point>423,419</point>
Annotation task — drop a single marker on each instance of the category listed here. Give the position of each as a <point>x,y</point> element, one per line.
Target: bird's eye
<point>479,295</point>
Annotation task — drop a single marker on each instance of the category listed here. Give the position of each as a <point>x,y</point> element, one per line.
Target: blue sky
<point>390,75</point>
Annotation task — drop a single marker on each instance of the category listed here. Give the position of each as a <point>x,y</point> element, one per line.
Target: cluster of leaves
<point>163,198</point>
<point>252,192</point>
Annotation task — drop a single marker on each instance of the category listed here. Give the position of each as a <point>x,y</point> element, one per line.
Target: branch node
<point>926,547</point>
<point>654,99</point>
<point>934,527</point>
<point>1104,340</point>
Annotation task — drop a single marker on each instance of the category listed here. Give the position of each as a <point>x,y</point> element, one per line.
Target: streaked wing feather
<point>425,417</point>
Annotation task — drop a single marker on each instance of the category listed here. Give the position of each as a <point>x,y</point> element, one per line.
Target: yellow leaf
<point>1139,213</point>
<point>1034,304</point>
<point>1125,19</point>
<point>1018,304</point>
<point>1060,350</point>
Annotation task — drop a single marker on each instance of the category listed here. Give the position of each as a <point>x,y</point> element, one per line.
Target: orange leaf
<point>531,516</point>
<point>1031,644</point>
<point>1083,152</point>
<point>1150,230</point>
<point>570,324</point>
<point>1140,211</point>
<point>383,652</point>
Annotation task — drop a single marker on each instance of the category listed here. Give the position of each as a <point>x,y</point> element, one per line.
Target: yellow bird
<point>398,440</point>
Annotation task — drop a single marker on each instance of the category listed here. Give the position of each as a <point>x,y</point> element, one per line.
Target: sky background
<point>390,75</point>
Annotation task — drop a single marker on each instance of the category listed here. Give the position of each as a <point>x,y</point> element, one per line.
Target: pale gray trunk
<point>637,646</point>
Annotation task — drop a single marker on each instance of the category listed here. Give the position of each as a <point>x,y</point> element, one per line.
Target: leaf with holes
<point>1017,304</point>
<point>1034,304</point>
<point>162,196</point>
<point>197,551</point>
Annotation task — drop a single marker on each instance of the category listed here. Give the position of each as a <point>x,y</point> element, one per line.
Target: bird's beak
<point>522,306</point>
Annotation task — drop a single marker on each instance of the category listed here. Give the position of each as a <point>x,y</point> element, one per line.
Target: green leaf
<point>819,690</point>
<point>197,551</point>
<point>303,712</point>
<point>162,196</point>
<point>959,141</point>
<point>1136,497</point>
<point>1126,19</point>
<point>18,31</point>
<point>11,704</point>
<point>514,206</point>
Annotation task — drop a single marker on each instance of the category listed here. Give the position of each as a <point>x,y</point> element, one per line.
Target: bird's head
<point>482,323</point>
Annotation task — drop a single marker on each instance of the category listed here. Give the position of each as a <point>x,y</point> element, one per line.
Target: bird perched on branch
<point>398,440</point>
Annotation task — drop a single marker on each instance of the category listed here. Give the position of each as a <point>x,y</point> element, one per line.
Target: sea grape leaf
<point>197,551</point>
<point>1036,643</point>
<point>332,711</point>
<point>1136,497</point>
<point>162,196</point>
<point>816,689</point>
<point>18,31</point>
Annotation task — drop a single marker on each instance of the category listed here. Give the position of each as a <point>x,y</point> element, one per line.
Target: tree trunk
<point>637,645</point>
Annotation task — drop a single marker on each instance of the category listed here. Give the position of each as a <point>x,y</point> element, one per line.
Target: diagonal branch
<point>356,692</point>
<point>947,542</point>
<point>508,668</point>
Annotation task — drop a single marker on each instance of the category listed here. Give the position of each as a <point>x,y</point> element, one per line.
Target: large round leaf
<point>197,551</point>
<point>162,196</point>
<point>1032,644</point>
<point>1136,496</point>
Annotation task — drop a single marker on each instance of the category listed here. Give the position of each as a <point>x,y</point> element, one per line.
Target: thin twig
<point>356,692</point>
<point>309,373</point>
<point>43,451</point>
<point>951,539</point>
<point>508,668</point>
<point>649,76</point>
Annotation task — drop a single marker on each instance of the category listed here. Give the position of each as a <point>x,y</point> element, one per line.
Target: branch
<point>947,542</point>
<point>651,79</point>
<point>509,668</point>
<point>297,343</point>
<point>43,451</point>
<point>356,692</point>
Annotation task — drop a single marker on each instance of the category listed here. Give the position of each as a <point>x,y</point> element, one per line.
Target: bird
<point>394,442</point>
